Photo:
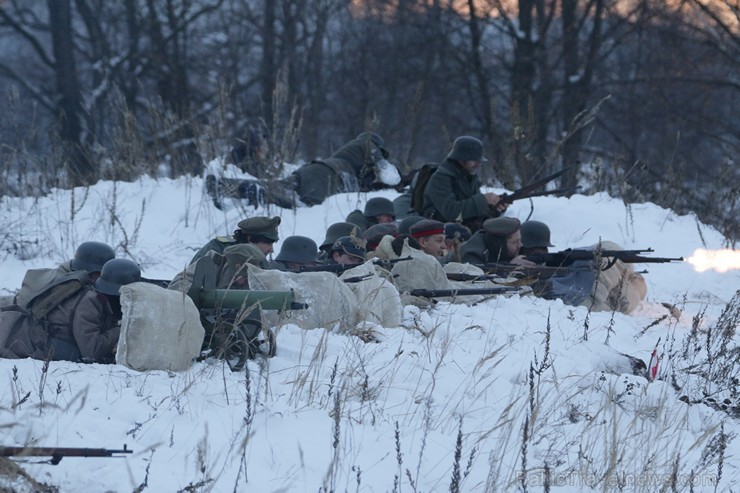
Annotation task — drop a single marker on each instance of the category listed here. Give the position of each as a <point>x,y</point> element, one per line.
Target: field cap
<point>501,226</point>
<point>262,226</point>
<point>457,231</point>
<point>351,245</point>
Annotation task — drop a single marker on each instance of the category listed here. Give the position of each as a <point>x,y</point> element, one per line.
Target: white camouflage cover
<point>330,301</point>
<point>160,329</point>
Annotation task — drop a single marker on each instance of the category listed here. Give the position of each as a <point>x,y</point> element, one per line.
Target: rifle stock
<point>57,453</point>
<point>530,189</point>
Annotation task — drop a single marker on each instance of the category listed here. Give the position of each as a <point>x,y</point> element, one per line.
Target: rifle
<point>440,293</point>
<point>339,268</point>
<point>57,453</point>
<point>529,190</point>
<point>567,257</point>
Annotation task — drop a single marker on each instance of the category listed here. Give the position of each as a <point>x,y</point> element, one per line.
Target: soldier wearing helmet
<point>499,241</point>
<point>90,257</point>
<point>333,233</point>
<point>453,191</point>
<point>83,327</point>
<point>296,252</point>
<point>535,238</point>
<point>378,210</point>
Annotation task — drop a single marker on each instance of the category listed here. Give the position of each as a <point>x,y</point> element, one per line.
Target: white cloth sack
<point>617,288</point>
<point>329,300</point>
<point>160,329</point>
<point>378,301</point>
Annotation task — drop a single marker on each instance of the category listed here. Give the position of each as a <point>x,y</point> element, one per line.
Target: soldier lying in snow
<point>359,165</point>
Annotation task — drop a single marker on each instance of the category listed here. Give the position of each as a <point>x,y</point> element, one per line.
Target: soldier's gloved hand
<point>494,200</point>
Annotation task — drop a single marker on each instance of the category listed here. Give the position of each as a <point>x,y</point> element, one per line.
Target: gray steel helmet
<point>377,206</point>
<point>535,234</point>
<point>298,249</point>
<point>467,148</point>
<point>116,273</point>
<point>91,256</point>
<point>337,230</point>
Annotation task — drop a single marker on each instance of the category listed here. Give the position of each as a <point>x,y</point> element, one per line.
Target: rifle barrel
<point>440,293</point>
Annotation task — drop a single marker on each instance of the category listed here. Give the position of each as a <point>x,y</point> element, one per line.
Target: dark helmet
<point>351,245</point>
<point>375,233</point>
<point>377,206</point>
<point>407,222</point>
<point>298,249</point>
<point>91,256</point>
<point>376,139</point>
<point>535,234</point>
<point>116,273</point>
<point>467,148</point>
<point>337,230</point>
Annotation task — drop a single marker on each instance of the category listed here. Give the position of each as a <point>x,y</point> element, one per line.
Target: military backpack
<point>422,178</point>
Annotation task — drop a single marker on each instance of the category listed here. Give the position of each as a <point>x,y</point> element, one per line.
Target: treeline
<point>639,98</point>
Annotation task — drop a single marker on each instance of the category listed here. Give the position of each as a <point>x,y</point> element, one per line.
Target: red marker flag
<point>653,366</point>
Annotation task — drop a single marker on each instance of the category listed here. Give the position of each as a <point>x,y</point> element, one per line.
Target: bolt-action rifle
<point>441,293</point>
<point>339,268</point>
<point>57,453</point>
<point>531,190</point>
<point>567,257</point>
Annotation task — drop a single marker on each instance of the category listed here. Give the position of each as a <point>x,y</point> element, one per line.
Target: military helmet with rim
<point>298,249</point>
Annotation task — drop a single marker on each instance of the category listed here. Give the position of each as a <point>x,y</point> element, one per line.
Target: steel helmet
<point>91,256</point>
<point>379,205</point>
<point>298,249</point>
<point>337,230</point>
<point>535,234</point>
<point>467,148</point>
<point>116,273</point>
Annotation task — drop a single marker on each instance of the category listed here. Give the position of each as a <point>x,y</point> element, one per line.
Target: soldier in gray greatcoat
<point>453,191</point>
<point>359,165</point>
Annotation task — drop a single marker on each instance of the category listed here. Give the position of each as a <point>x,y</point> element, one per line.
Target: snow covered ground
<point>515,392</point>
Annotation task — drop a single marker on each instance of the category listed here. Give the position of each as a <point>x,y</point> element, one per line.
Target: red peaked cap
<point>427,227</point>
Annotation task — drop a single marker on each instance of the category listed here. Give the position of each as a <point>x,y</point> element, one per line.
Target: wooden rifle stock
<point>57,453</point>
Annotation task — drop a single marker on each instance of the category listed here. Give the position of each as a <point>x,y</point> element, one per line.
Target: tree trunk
<point>69,106</point>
